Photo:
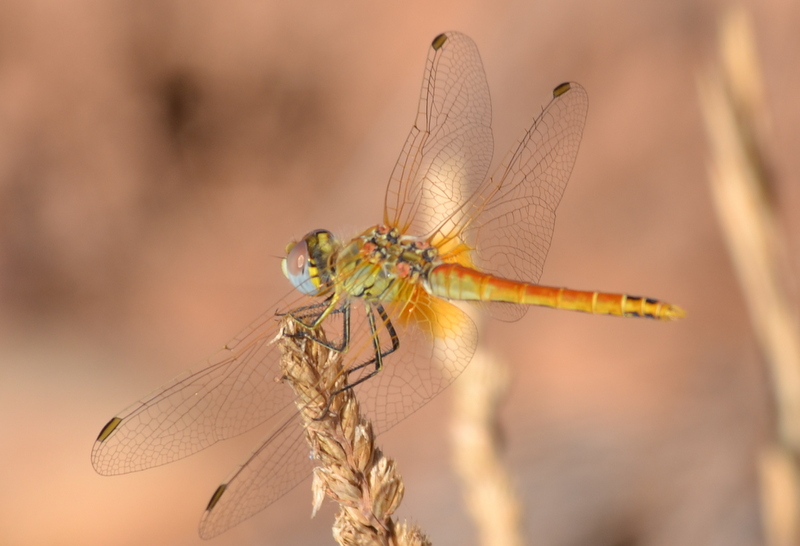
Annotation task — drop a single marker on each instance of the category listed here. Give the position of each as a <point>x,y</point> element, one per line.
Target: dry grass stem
<point>742,191</point>
<point>490,496</point>
<point>351,471</point>
<point>732,100</point>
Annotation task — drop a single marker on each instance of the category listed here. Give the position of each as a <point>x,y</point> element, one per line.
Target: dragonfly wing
<point>274,469</point>
<point>449,149</point>
<point>515,216</point>
<point>234,391</point>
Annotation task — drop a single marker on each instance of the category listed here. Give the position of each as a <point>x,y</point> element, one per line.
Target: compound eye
<point>297,259</point>
<point>296,268</point>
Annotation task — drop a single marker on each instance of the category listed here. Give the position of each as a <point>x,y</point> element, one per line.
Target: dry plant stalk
<point>351,471</point>
<point>477,452</point>
<point>732,100</point>
<point>732,103</point>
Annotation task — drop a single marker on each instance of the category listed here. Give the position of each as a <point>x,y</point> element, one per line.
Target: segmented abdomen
<point>456,282</point>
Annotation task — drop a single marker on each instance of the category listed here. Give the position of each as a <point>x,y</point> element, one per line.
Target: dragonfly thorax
<point>380,261</point>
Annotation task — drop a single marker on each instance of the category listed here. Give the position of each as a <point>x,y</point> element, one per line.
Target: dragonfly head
<point>308,262</point>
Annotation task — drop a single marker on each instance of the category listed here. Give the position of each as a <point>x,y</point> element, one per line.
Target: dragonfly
<point>385,298</point>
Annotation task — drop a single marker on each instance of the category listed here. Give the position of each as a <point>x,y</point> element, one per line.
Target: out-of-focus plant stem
<point>731,94</point>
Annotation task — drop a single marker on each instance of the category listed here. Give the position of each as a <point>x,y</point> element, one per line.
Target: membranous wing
<point>237,389</point>
<point>449,149</point>
<point>437,187</point>
<point>512,217</point>
<point>281,462</point>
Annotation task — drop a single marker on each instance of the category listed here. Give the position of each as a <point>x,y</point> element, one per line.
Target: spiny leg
<point>297,311</point>
<point>344,309</point>
<point>379,355</point>
<point>377,359</point>
<point>300,314</point>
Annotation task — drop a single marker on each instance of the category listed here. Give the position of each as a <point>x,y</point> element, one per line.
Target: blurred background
<point>156,157</point>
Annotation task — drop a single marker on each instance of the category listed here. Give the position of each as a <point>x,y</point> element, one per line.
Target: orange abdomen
<point>456,282</point>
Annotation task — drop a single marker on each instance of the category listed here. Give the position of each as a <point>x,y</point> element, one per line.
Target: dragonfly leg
<point>377,360</point>
<point>294,313</point>
<point>328,309</point>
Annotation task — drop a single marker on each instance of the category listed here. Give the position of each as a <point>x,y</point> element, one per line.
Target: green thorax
<point>380,263</point>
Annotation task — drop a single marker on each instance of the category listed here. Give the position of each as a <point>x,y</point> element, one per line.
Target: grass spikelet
<point>352,470</point>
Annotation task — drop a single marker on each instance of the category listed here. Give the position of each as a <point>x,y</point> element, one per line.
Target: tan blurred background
<point>156,156</point>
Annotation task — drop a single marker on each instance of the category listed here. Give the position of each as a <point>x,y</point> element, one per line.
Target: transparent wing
<point>513,215</point>
<point>412,375</point>
<point>448,152</point>
<point>274,469</point>
<point>437,187</point>
<point>236,390</point>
